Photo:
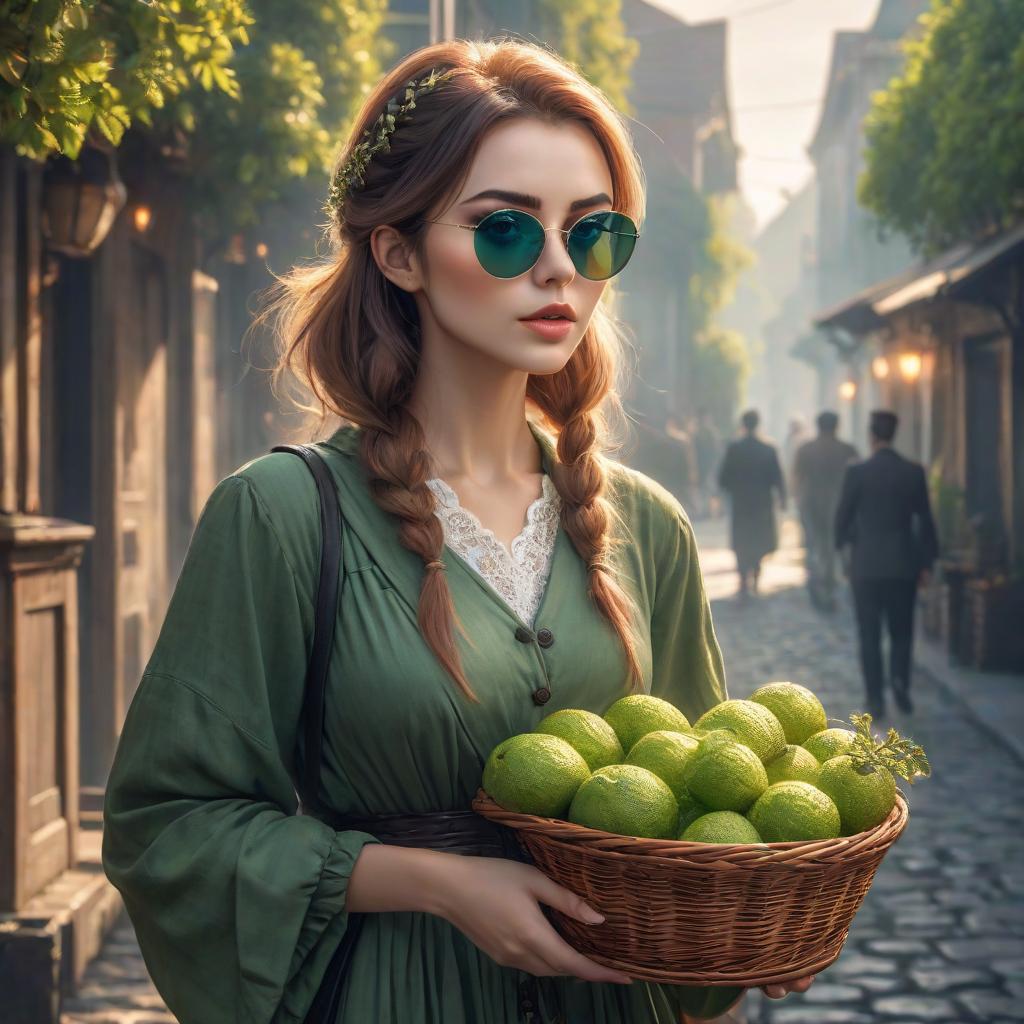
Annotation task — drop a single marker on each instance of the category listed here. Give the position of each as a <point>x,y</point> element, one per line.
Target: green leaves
<point>68,67</point>
<point>901,756</point>
<point>944,139</point>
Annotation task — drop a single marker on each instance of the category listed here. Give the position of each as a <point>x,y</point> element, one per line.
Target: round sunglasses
<point>509,242</point>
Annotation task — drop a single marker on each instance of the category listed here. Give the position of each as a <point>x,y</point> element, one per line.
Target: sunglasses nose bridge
<point>564,232</point>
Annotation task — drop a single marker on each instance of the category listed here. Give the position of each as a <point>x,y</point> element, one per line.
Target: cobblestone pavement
<point>940,935</point>
<point>116,988</point>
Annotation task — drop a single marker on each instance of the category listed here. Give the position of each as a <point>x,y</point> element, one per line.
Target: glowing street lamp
<point>848,390</point>
<point>880,367</point>
<point>910,366</point>
<point>142,217</point>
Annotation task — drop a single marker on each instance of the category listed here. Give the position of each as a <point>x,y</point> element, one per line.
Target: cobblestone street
<point>940,936</point>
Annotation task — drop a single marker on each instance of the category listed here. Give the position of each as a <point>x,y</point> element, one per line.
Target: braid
<point>398,465</point>
<point>587,516</point>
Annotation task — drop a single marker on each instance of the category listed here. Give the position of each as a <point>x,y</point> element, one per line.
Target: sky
<point>778,59</point>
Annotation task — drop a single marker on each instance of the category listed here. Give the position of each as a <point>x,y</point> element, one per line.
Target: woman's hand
<point>785,987</point>
<point>495,902</point>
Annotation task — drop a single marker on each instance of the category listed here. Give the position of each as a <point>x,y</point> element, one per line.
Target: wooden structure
<point>107,454</point>
<point>38,701</point>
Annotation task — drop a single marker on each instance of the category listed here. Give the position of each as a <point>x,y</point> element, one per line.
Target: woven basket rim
<point>801,852</point>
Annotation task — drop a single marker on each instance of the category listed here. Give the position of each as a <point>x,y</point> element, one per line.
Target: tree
<point>943,163</point>
<point>70,66</point>
<point>590,35</point>
<point>251,119</point>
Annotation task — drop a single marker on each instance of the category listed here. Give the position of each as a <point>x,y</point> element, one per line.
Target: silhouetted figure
<point>797,434</point>
<point>663,458</point>
<point>751,474</point>
<point>706,447</point>
<point>818,469</point>
<point>885,515</point>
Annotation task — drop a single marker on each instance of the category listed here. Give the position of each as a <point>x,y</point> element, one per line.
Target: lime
<point>725,776</point>
<point>864,796</point>
<point>690,809</point>
<point>589,734</point>
<point>796,707</point>
<point>627,800</point>
<point>788,811</point>
<point>638,714</point>
<point>532,773</point>
<point>794,764</point>
<point>755,725</point>
<point>828,743</point>
<point>665,753</point>
<point>721,827</point>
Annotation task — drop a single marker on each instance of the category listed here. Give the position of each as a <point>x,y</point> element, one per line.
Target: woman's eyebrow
<point>532,202</point>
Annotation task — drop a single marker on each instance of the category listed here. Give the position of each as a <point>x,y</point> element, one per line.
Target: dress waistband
<point>464,832</point>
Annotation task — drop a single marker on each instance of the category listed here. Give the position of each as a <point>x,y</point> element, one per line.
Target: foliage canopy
<point>943,163</point>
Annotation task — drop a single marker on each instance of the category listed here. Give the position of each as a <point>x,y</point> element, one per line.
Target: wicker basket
<point>706,914</point>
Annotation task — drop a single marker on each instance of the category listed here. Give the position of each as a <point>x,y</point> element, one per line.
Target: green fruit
<point>754,724</point>
<point>789,811</point>
<point>828,743</point>
<point>627,800</point>
<point>589,735</point>
<point>690,809</point>
<point>532,773</point>
<point>796,707</point>
<point>725,776</point>
<point>793,765</point>
<point>665,753</point>
<point>638,714</point>
<point>864,798</point>
<point>721,827</point>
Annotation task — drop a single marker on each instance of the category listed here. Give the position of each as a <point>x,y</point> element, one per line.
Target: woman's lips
<point>554,329</point>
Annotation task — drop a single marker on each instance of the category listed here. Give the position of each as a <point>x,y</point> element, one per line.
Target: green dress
<point>238,903</point>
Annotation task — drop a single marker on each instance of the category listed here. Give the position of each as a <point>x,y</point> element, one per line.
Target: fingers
<point>780,990</point>
<point>560,957</point>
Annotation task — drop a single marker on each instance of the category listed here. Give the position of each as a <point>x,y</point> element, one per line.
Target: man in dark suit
<point>885,516</point>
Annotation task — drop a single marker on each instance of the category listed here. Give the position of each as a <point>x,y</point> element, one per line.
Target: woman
<point>425,340</point>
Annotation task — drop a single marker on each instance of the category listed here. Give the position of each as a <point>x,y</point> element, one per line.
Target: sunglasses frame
<point>564,231</point>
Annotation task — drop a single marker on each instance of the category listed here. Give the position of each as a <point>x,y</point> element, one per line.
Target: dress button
<point>541,696</point>
<point>524,635</point>
<point>545,637</point>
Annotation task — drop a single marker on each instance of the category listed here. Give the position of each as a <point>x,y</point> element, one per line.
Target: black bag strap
<point>323,622</point>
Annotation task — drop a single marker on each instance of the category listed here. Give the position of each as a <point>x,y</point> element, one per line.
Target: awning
<point>946,274</point>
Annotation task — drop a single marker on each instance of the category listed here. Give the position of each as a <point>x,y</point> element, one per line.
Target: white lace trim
<point>519,577</point>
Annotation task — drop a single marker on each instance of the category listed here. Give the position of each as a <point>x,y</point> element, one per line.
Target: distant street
<point>940,937</point>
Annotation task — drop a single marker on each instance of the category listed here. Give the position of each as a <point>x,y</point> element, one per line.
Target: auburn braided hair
<point>349,339</point>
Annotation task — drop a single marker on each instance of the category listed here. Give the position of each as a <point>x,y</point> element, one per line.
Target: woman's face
<point>559,174</point>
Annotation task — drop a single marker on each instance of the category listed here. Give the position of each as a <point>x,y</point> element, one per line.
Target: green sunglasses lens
<point>509,242</point>
<point>600,245</point>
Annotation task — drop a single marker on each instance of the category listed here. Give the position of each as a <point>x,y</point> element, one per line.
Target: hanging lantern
<point>81,198</point>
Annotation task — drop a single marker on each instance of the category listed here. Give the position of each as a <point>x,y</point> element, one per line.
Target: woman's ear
<point>395,257</point>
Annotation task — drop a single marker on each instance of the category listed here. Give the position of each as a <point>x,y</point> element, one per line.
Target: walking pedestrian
<point>706,444</point>
<point>797,434</point>
<point>818,469</point>
<point>751,474</point>
<point>492,558</point>
<point>661,456</point>
<point>884,515</point>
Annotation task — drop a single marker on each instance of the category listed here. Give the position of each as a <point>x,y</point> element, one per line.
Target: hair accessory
<point>435,564</point>
<point>350,175</point>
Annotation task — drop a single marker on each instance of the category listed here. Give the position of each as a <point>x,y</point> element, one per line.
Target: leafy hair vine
<point>377,138</point>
